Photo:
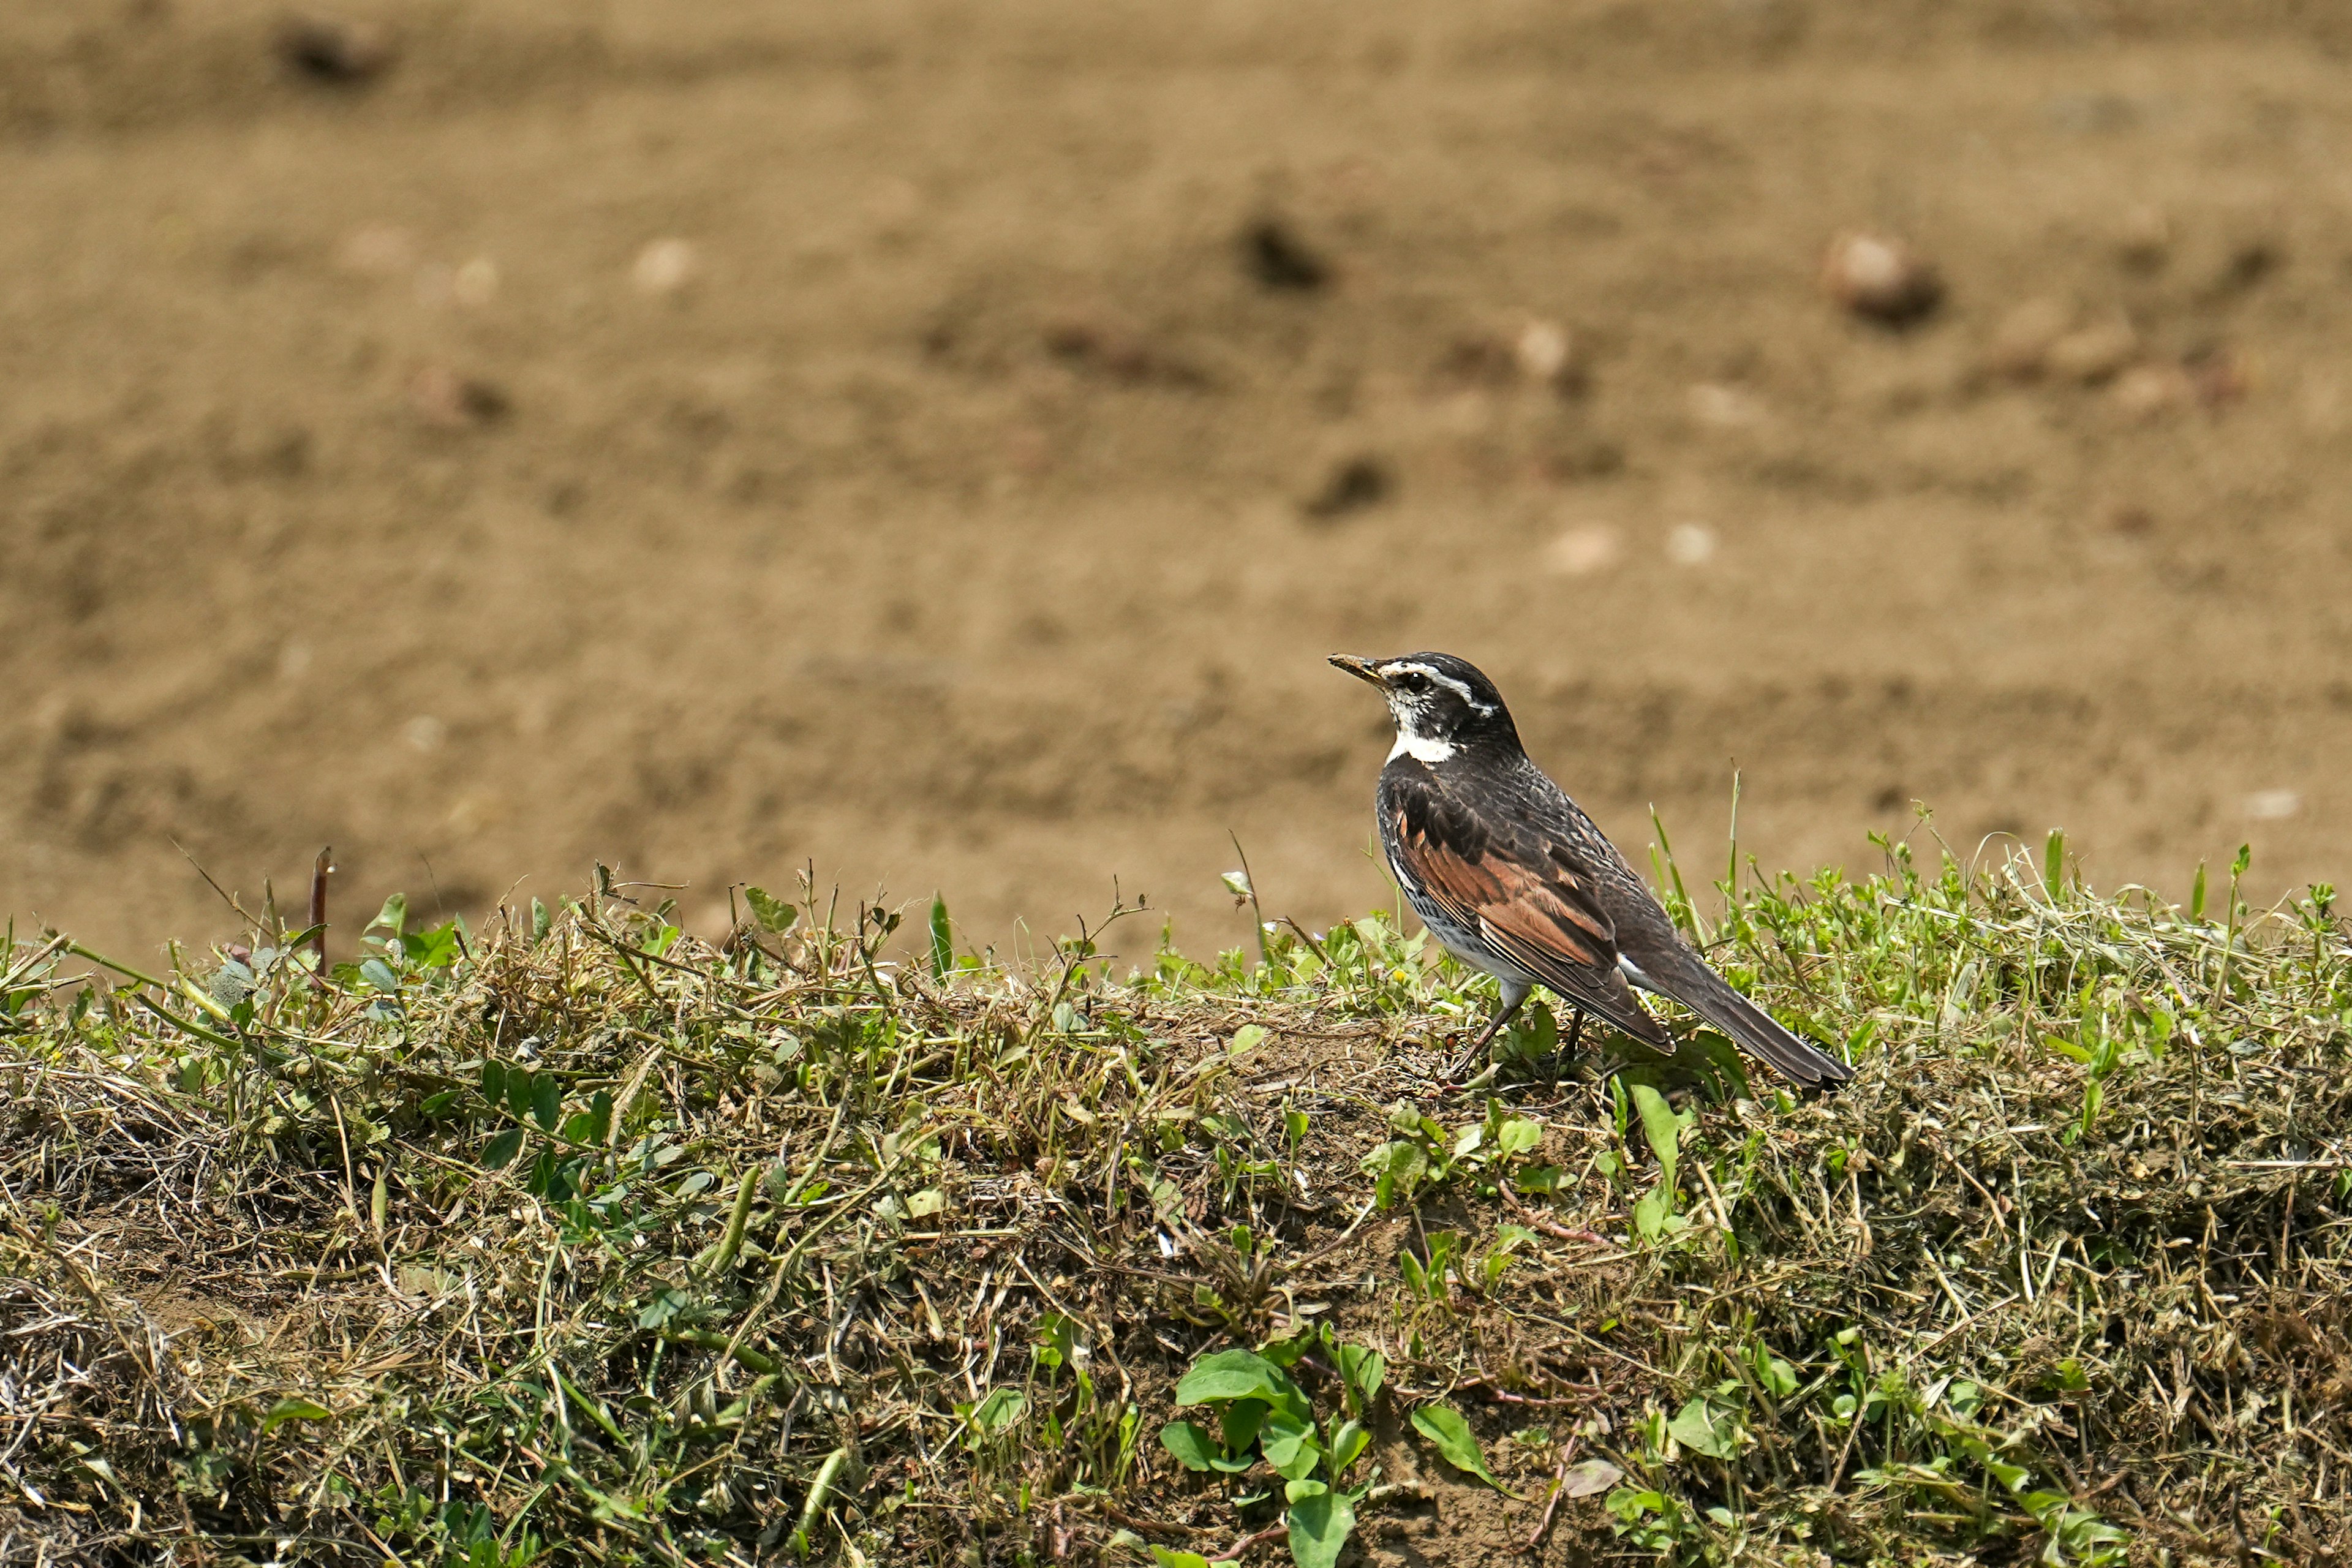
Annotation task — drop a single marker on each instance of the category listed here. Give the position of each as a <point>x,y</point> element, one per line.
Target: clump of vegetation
<point>575,1239</point>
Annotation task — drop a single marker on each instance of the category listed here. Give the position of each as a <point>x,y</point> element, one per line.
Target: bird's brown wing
<point>1522,892</point>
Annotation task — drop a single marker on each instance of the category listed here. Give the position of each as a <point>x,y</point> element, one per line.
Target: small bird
<point>1517,880</point>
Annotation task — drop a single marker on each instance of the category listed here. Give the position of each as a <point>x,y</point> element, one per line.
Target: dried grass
<point>2061,1274</point>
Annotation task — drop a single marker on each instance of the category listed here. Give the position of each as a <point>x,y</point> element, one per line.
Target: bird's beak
<point>1361,669</point>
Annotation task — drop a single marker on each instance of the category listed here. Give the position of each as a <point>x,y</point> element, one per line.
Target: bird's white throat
<point>1421,748</point>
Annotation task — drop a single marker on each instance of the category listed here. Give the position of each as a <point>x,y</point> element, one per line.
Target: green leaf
<point>519,1082</point>
<point>541,922</point>
<point>1239,1422</point>
<point>287,1410</point>
<point>1652,1210</point>
<point>772,913</point>
<point>546,1100</point>
<point>1288,1444</point>
<point>1240,1374</point>
<point>665,1305</point>
<point>1168,1557</point>
<point>1708,1425</point>
<point>2054,861</point>
<point>1192,1444</point>
<point>494,1081</point>
<point>600,1118</point>
<point>1516,1136</point>
<point>501,1150</point>
<point>1320,1527</point>
<point>1449,1434</point>
<point>993,1416</point>
<point>1362,1370</point>
<point>1661,1126</point>
<point>1592,1477</point>
<point>1347,1445</point>
<point>394,916</point>
<point>942,940</point>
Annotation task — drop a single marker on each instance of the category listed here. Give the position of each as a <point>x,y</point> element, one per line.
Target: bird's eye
<point>1414,681</point>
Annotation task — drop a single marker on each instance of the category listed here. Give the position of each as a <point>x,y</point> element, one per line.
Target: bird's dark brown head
<point>1441,704</point>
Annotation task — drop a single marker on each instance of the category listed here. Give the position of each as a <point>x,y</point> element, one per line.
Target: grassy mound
<point>574,1239</point>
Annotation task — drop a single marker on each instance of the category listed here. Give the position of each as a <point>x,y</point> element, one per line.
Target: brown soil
<point>1048,388</point>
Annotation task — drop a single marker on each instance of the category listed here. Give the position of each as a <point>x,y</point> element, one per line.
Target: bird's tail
<point>1760,1035</point>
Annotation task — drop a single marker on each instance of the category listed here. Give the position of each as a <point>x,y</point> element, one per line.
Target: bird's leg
<point>1567,1052</point>
<point>1513,996</point>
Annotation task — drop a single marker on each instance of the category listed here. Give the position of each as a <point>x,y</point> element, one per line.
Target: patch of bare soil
<point>940,444</point>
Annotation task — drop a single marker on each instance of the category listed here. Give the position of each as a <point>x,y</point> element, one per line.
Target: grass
<point>574,1239</point>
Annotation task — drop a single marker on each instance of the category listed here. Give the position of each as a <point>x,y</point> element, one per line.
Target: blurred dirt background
<point>940,443</point>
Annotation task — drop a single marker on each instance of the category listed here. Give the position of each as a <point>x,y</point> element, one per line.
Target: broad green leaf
<point>501,1150</point>
<point>546,1100</point>
<point>494,1081</point>
<point>1362,1370</point>
<point>1168,1557</point>
<point>1193,1447</point>
<point>1319,1527</point>
<point>1450,1434</point>
<point>1706,1426</point>
<point>1661,1126</point>
<point>1778,1378</point>
<point>394,916</point>
<point>1592,1477</point>
<point>665,1304</point>
<point>1239,1423</point>
<point>1240,1374</point>
<point>1516,1136</point>
<point>772,913</point>
<point>287,1410</point>
<point>1652,1210</point>
<point>1347,1445</point>
<point>997,1412</point>
<point>1290,1446</point>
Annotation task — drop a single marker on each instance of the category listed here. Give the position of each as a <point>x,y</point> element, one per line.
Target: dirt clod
<point>1274,254</point>
<point>1881,279</point>
<point>450,401</point>
<point>337,49</point>
<point>1352,485</point>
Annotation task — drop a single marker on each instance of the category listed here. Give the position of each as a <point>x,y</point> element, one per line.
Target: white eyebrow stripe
<point>1460,689</point>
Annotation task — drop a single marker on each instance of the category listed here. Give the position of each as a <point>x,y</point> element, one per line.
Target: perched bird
<point>1517,880</point>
